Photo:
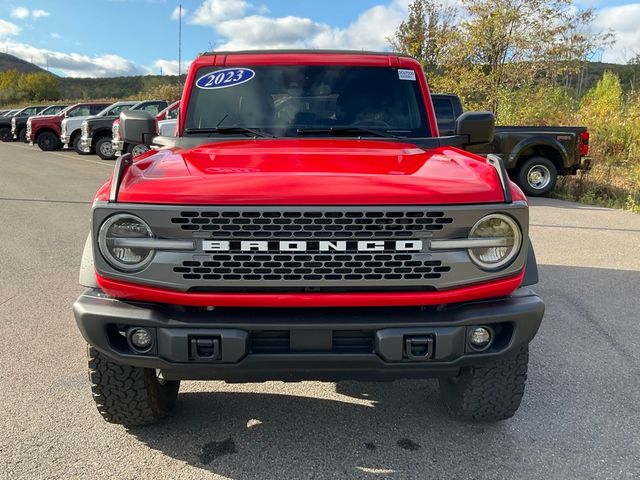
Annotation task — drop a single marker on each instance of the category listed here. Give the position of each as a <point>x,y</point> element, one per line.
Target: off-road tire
<point>22,135</point>
<point>129,395</point>
<point>489,392</point>
<point>546,166</point>
<point>101,153</point>
<point>5,134</point>
<point>48,142</point>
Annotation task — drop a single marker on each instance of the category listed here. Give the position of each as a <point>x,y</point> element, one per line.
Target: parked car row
<point>86,128</point>
<point>533,156</point>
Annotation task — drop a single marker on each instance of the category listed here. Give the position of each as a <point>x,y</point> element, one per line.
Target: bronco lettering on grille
<point>312,246</point>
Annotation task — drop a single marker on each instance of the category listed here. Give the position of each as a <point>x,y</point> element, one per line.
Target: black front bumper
<point>244,345</point>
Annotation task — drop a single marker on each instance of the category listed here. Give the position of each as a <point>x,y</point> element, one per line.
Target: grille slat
<point>313,224</point>
<point>275,267</point>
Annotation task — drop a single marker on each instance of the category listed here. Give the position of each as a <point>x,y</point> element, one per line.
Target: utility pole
<point>179,41</point>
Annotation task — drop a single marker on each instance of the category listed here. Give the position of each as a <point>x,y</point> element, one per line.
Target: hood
<point>104,119</point>
<point>34,118</point>
<point>80,119</point>
<point>311,172</point>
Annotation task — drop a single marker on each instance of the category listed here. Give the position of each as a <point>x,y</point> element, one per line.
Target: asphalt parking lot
<point>580,416</point>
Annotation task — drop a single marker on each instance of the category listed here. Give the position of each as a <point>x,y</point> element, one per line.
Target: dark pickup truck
<point>19,122</point>
<point>533,156</point>
<point>26,112</point>
<point>97,131</point>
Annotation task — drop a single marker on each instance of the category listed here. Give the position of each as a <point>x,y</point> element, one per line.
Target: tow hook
<point>418,348</point>
<point>205,349</point>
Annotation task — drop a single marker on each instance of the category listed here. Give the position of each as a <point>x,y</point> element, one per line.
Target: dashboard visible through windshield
<point>293,101</point>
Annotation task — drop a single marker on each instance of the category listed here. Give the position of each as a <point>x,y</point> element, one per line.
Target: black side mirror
<point>478,127</point>
<point>138,126</point>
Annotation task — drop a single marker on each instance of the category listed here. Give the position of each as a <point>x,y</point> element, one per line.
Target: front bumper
<point>118,146</point>
<point>85,144</point>
<point>295,344</point>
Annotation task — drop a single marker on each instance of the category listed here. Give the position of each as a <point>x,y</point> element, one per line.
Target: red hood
<point>45,118</point>
<point>312,171</point>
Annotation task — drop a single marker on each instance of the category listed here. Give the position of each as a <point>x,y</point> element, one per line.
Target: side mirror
<point>478,127</point>
<point>138,127</point>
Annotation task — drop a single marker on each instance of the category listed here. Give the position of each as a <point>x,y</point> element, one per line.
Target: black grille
<point>274,267</point>
<point>312,224</point>
<point>343,341</point>
<point>270,341</point>
<point>352,341</point>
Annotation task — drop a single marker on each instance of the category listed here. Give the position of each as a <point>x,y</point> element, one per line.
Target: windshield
<point>114,110</point>
<point>53,110</point>
<point>298,100</point>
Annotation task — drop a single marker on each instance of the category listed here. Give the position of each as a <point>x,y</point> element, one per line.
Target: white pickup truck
<point>70,132</point>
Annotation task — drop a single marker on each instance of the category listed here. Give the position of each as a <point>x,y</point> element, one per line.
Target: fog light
<point>141,338</point>
<point>480,337</point>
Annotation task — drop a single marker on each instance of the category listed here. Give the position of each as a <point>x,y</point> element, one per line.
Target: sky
<point>106,38</point>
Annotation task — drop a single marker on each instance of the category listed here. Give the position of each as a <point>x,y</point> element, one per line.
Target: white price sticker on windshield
<point>407,74</point>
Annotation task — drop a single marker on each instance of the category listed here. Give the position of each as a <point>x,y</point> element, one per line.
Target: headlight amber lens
<point>496,226</point>
<point>125,226</point>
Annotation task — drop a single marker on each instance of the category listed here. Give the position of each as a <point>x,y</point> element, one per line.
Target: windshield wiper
<point>345,131</point>
<point>233,129</point>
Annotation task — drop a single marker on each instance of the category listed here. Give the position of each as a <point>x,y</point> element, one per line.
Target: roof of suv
<point>305,52</point>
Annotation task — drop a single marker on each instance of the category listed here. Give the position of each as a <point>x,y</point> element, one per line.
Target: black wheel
<point>104,149</point>
<point>22,135</point>
<point>129,395</point>
<point>490,392</point>
<point>48,141</point>
<point>136,149</point>
<point>5,134</point>
<point>75,144</point>
<point>537,177</point>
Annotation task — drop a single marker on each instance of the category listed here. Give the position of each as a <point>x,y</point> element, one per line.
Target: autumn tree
<point>39,86</point>
<point>499,46</point>
<point>426,33</point>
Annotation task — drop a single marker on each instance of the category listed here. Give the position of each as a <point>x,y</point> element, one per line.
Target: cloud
<point>40,13</point>
<point>23,13</point>
<point>175,15</point>
<point>624,21</point>
<point>170,67</point>
<point>211,12</point>
<point>74,64</point>
<point>237,31</point>
<point>7,29</point>
<point>55,35</point>
<point>20,13</point>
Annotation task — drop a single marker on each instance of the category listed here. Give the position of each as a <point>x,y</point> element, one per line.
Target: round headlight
<point>507,233</point>
<point>116,246</point>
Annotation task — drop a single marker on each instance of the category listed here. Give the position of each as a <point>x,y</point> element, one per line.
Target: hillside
<point>117,87</point>
<point>10,62</point>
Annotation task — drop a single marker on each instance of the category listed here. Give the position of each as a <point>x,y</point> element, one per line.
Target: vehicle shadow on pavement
<point>368,429</point>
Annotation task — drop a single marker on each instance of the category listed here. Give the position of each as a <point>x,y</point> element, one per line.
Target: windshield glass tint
<point>53,110</point>
<point>113,111</point>
<point>282,100</point>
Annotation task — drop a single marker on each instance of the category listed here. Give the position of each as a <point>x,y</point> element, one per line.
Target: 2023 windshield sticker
<point>225,78</point>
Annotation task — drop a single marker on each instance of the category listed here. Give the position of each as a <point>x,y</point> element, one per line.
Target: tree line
<point>17,88</point>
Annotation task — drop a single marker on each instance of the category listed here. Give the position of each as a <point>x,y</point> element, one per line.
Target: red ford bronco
<point>308,222</point>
